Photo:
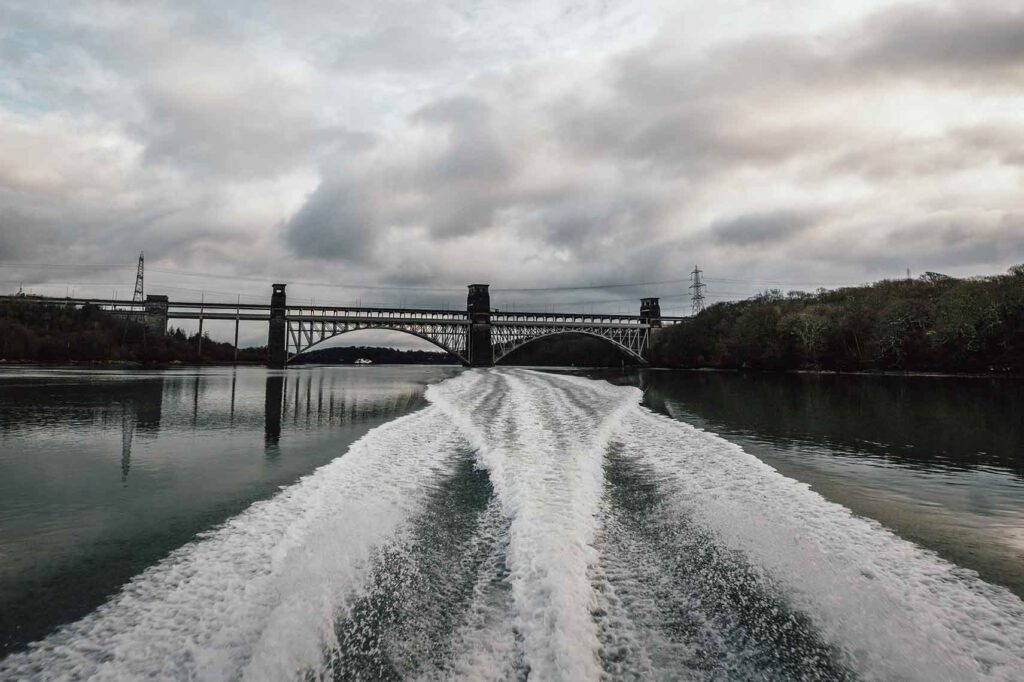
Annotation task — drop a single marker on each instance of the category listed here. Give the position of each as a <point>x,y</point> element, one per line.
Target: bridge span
<point>478,336</point>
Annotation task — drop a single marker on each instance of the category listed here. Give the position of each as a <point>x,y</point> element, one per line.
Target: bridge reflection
<point>107,471</point>
<point>311,401</point>
<point>221,408</point>
<point>273,405</point>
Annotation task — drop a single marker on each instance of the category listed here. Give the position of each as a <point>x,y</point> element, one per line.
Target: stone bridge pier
<point>478,305</point>
<point>650,313</point>
<point>277,340</point>
<point>155,317</point>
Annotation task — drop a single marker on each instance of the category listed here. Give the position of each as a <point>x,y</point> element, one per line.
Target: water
<point>939,460</point>
<point>104,473</point>
<point>500,524</point>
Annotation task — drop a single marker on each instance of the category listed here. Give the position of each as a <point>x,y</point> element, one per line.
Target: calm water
<point>431,523</point>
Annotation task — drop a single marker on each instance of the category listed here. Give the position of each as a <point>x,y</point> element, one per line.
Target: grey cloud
<point>24,236</point>
<point>761,229</point>
<point>927,39</point>
<point>337,222</point>
<point>473,153</point>
<point>397,48</point>
<point>1001,142</point>
<point>963,230</point>
<point>227,113</point>
<point>452,190</point>
<point>957,242</point>
<point>613,174</point>
<point>666,119</point>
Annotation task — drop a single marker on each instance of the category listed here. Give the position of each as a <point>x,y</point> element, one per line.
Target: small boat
<point>363,361</point>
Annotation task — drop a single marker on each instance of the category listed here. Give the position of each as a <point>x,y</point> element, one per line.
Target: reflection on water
<point>128,420</point>
<point>939,460</point>
<point>104,472</point>
<point>272,413</point>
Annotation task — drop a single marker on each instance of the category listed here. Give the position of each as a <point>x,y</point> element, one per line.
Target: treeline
<point>31,331</point>
<point>387,356</point>
<point>935,323</point>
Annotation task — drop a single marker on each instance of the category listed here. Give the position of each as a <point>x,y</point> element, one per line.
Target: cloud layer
<point>425,144</point>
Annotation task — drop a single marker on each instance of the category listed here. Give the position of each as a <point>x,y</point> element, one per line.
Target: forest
<point>347,355</point>
<point>934,323</point>
<point>31,331</point>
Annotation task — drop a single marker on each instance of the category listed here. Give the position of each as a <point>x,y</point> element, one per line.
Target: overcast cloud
<point>549,143</point>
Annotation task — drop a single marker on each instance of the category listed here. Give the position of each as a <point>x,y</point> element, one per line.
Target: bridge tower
<point>650,313</point>
<point>478,344</point>
<point>277,341</point>
<point>155,317</point>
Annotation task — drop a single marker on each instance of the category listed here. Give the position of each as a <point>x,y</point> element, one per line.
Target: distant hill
<point>387,356</point>
<point>932,324</point>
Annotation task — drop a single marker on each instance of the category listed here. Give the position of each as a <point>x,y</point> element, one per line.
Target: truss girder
<point>449,330</point>
<point>306,332</point>
<point>632,338</point>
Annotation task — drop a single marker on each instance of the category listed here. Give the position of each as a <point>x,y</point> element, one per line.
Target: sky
<point>391,152</point>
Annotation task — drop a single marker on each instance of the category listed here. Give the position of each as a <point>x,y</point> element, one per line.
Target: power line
<point>332,285</point>
<point>777,281</point>
<point>243,278</point>
<point>593,286</point>
<point>69,266</point>
<point>237,278</point>
<point>696,299</point>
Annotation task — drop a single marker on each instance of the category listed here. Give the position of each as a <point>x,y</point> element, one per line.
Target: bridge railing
<point>104,303</point>
<point>361,314</point>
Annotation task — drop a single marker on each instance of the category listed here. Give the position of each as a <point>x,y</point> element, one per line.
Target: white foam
<point>484,644</point>
<point>898,611</point>
<point>258,597</point>
<point>543,449</point>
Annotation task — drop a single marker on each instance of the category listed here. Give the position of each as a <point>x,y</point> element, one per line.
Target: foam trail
<point>897,611</point>
<point>890,609</point>
<point>544,451</point>
<point>484,646</point>
<point>257,598</point>
<point>618,544</point>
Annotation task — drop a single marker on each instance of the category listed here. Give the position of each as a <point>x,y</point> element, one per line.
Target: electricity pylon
<point>138,297</point>
<point>697,297</point>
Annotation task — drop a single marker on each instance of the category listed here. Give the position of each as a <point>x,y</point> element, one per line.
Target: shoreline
<point>862,373</point>
<point>100,364</point>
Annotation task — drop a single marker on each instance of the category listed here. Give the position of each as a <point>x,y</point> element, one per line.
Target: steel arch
<point>448,337</point>
<point>638,338</point>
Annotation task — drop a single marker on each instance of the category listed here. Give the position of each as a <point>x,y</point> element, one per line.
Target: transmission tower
<point>138,297</point>
<point>697,297</point>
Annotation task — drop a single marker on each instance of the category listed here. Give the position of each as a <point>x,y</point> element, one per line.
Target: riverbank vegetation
<point>31,331</point>
<point>933,324</point>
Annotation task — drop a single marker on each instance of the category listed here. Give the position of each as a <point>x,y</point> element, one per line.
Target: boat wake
<point>532,525</point>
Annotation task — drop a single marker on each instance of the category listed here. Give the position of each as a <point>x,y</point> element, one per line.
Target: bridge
<point>478,336</point>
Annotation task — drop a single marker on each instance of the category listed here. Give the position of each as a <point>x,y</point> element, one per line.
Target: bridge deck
<point>327,313</point>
